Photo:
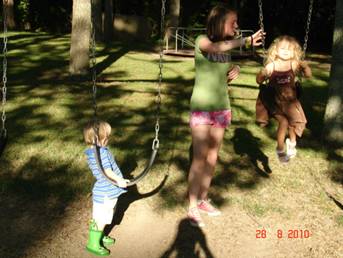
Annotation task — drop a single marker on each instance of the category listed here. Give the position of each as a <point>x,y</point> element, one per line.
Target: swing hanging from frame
<point>155,143</point>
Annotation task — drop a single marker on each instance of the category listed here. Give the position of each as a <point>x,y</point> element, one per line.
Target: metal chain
<point>4,75</point>
<point>261,25</point>
<point>93,63</point>
<point>307,30</point>
<point>155,143</point>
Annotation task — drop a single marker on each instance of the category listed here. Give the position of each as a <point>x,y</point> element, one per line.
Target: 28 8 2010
<point>290,233</point>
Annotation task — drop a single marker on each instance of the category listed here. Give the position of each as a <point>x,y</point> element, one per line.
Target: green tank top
<point>210,91</point>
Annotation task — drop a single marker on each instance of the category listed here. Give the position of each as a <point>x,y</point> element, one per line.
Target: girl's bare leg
<point>281,132</point>
<point>200,140</point>
<point>216,136</point>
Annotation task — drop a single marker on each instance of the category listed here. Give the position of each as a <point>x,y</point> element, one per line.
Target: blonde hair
<point>293,46</point>
<point>90,135</point>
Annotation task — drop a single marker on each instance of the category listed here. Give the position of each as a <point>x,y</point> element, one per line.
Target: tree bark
<point>333,120</point>
<point>8,9</point>
<point>80,37</point>
<point>174,13</point>
<point>173,17</point>
<point>108,20</point>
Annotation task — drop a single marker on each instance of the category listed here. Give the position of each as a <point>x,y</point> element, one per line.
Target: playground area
<point>268,209</point>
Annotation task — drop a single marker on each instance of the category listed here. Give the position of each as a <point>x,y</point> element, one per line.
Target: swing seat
<point>134,180</point>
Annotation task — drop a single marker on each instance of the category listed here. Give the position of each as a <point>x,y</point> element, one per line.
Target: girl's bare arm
<point>305,68</point>
<point>264,73</point>
<point>120,181</point>
<point>208,46</point>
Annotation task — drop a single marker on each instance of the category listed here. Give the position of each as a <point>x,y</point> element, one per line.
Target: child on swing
<point>105,194</point>
<point>279,99</point>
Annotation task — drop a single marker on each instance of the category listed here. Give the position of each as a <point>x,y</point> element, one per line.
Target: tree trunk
<point>173,17</point>
<point>8,9</point>
<point>333,128</point>
<point>174,13</point>
<point>116,6</point>
<point>108,20</point>
<point>80,37</point>
<point>97,19</point>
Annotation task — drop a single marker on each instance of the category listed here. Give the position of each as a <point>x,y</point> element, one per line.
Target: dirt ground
<point>144,230</point>
<point>255,211</point>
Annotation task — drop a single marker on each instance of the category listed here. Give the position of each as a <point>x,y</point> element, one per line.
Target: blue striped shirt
<point>103,187</point>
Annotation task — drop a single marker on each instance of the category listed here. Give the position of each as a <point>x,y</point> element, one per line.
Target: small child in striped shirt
<point>105,193</point>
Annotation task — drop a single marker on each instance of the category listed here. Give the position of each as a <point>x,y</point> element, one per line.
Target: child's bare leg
<point>281,132</point>
<point>292,134</point>
<point>291,143</point>
<point>100,226</point>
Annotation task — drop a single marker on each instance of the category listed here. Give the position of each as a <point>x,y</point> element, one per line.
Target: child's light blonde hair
<point>90,135</point>
<point>293,46</point>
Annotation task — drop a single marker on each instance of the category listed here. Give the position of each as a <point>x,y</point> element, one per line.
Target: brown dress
<point>279,97</point>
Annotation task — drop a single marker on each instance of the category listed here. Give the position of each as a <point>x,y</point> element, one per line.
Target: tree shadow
<point>33,205</point>
<point>336,164</point>
<point>110,58</point>
<point>190,242</point>
<point>244,143</point>
<point>35,194</point>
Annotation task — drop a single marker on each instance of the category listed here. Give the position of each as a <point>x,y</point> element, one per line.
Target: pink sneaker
<point>195,218</point>
<point>207,207</point>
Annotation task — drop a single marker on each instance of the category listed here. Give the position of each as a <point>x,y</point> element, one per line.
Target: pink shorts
<point>214,118</point>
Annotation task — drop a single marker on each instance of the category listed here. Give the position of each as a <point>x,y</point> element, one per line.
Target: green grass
<point>339,220</point>
<point>44,169</point>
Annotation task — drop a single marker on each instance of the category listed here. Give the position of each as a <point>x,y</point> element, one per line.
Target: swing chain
<point>155,144</point>
<point>261,25</point>
<point>93,63</point>
<point>4,76</point>
<point>309,15</point>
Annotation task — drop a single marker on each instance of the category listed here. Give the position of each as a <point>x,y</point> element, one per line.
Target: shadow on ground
<point>189,242</point>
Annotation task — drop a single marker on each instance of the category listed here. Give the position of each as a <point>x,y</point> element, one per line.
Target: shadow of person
<point>244,143</point>
<point>125,200</point>
<point>190,242</point>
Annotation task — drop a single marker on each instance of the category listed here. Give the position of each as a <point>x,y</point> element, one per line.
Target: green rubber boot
<point>107,240</point>
<point>93,244</point>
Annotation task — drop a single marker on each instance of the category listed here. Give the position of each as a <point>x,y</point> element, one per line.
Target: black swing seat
<point>135,180</point>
